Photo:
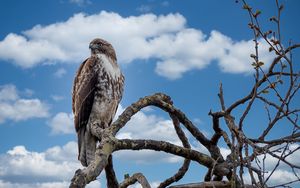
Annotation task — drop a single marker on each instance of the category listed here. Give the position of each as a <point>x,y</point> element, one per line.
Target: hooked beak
<point>93,46</point>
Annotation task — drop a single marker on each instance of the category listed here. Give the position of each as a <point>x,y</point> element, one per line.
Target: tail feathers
<point>86,146</point>
<point>90,147</point>
<point>81,146</point>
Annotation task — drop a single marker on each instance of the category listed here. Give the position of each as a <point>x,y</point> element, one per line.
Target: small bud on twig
<point>258,12</point>
<point>247,7</point>
<point>280,7</point>
<point>253,56</point>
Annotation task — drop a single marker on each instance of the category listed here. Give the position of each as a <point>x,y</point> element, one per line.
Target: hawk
<point>97,91</point>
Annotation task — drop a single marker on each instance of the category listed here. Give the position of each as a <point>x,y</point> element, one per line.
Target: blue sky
<point>182,48</point>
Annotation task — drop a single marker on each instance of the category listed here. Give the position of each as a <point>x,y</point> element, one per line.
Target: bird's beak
<point>93,46</point>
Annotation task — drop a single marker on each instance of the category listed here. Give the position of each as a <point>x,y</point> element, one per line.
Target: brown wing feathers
<point>83,93</point>
<point>83,96</point>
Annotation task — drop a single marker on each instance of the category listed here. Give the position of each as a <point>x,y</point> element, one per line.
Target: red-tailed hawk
<point>97,91</point>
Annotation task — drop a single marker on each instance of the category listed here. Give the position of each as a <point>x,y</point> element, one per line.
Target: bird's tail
<point>86,146</point>
<point>81,146</point>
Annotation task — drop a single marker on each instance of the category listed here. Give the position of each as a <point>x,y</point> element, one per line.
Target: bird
<point>97,91</point>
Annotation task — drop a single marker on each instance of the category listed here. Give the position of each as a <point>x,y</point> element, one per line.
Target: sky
<point>182,48</point>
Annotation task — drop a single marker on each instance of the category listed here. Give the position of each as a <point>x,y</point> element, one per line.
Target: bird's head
<point>101,46</point>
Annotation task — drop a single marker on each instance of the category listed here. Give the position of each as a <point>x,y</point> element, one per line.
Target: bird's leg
<point>92,135</point>
<point>97,128</point>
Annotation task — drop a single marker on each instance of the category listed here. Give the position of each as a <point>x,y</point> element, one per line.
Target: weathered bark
<point>111,177</point>
<point>138,177</point>
<point>211,184</point>
<point>85,176</point>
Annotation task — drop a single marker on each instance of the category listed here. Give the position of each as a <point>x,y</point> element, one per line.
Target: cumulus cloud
<point>191,50</point>
<point>51,168</point>
<point>31,52</point>
<point>34,185</point>
<point>62,184</point>
<point>62,123</point>
<point>68,41</point>
<point>8,93</point>
<point>12,107</point>
<point>271,162</point>
<point>152,184</point>
<point>165,39</point>
<point>19,164</point>
<point>281,176</point>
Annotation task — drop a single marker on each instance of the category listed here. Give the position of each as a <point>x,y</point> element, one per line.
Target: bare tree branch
<point>138,177</point>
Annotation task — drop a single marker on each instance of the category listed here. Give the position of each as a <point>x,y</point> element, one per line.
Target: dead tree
<point>276,87</point>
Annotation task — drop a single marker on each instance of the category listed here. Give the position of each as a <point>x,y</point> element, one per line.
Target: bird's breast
<point>110,67</point>
<point>110,79</point>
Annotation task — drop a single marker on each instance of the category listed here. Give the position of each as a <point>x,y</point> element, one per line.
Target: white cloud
<point>281,176</point>
<point>236,58</point>
<point>62,184</point>
<point>271,162</point>
<point>62,123</point>
<point>49,169</point>
<point>68,41</point>
<point>60,72</point>
<point>225,152</point>
<point>8,93</point>
<point>30,52</point>
<point>12,107</point>
<point>34,185</point>
<point>57,97</point>
<point>19,164</point>
<point>152,184</point>
<point>165,38</point>
<point>191,50</point>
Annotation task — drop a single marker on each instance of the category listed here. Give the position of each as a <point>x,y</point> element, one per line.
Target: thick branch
<point>135,107</point>
<point>111,177</point>
<point>211,184</point>
<point>104,150</point>
<point>163,102</point>
<point>138,177</point>
<point>220,169</point>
